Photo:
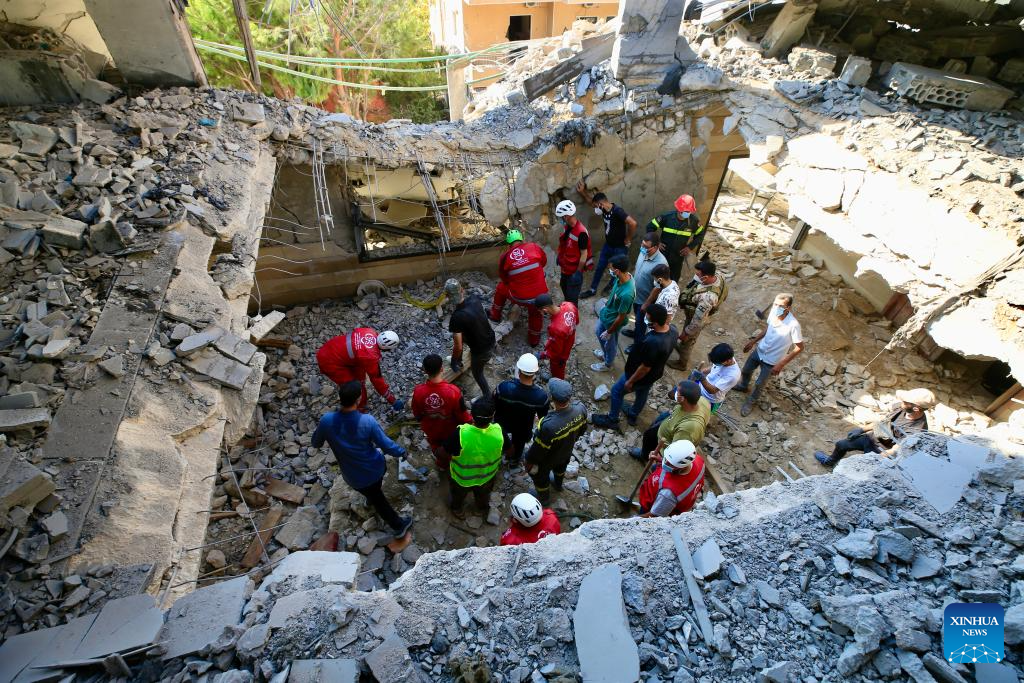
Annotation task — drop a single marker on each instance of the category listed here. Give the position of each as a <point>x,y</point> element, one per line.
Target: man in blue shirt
<point>354,438</point>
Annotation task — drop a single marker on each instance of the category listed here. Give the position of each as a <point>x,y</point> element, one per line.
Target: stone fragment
<point>22,420</point>
<point>913,640</point>
<point>92,176</point>
<point>913,667</point>
<point>57,348</point>
<point>604,645</point>
<point>390,661</point>
<point>56,525</point>
<point>105,237</point>
<point>892,544</point>
<point>994,673</point>
<point>216,559</point>
<point>859,545</point>
<point>1013,625</point>
<point>200,340</point>
<point>114,366</point>
<point>329,567</point>
<point>123,624</point>
<point>247,112</point>
<point>228,372</point>
<point>235,347</point>
<point>768,593</point>
<point>777,673</point>
<point>852,659</point>
<point>707,559</point>
<point>324,671</point>
<point>36,140</point>
<point>262,327</point>
<point>198,618</point>
<point>799,613</point>
<point>856,71</point>
<point>251,643</point>
<point>297,533</point>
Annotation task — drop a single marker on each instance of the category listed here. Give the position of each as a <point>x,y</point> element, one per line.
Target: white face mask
<point>684,214</point>
<point>598,211</point>
<point>611,272</point>
<point>647,321</point>
<point>696,279</point>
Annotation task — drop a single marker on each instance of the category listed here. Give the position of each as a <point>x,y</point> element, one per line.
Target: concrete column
<point>646,43</point>
<point>788,27</point>
<point>458,91</point>
<point>149,41</point>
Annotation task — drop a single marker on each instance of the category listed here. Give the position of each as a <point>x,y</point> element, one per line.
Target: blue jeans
<point>752,363</point>
<point>640,329</point>
<point>604,256</point>
<point>619,393</point>
<point>610,347</point>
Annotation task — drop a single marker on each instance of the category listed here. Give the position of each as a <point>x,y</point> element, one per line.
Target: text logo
<point>972,633</point>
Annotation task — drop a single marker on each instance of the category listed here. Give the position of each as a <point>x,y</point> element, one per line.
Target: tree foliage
<point>329,28</point>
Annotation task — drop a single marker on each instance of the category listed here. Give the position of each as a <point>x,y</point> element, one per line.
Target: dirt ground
<point>806,408</point>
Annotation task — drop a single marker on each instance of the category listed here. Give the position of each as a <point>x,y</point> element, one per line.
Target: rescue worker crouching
<point>675,484</point>
<point>554,439</point>
<point>521,275</point>
<point>353,356</point>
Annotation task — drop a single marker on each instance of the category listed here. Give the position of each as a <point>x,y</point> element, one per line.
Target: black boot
<point>556,480</point>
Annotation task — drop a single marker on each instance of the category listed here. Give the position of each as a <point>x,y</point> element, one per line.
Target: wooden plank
<point>254,554</point>
<point>282,490</point>
<point>275,342</point>
<point>696,596</point>
<point>242,16</point>
<point>716,479</point>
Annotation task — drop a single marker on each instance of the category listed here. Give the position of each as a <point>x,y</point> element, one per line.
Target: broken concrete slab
<point>324,671</point>
<point>22,484</point>
<point>93,176</point>
<point>297,533</point>
<point>228,372</point>
<point>329,567</point>
<point>198,341</point>
<point>856,71</point>
<point>962,91</point>
<point>36,140</point>
<point>604,645</point>
<point>235,347</point>
<point>197,619</point>
<point>939,481</point>
<point>24,419</point>
<point>247,112</point>
<point>113,366</point>
<point>300,604</point>
<point>18,652</point>
<point>390,661</point>
<point>707,560</point>
<point>123,624</point>
<point>262,327</point>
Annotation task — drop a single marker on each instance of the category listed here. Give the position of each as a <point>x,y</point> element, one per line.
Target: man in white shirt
<point>719,377</point>
<point>779,343</point>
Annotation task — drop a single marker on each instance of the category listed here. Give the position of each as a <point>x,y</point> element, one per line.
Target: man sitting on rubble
<point>561,332</point>
<point>475,451</point>
<point>555,438</point>
<point>778,344</point>
<point>439,407</point>
<point>356,355</point>
<point>531,521</point>
<point>519,403</point>
<point>904,418</point>
<point>675,484</point>
<point>354,438</point>
<point>521,271</point>
<point>718,375</point>
<point>468,325</point>
<point>687,421</point>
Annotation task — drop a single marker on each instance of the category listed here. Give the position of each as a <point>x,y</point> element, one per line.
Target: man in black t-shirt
<point>644,366</point>
<point>469,325</point>
<point>619,228</point>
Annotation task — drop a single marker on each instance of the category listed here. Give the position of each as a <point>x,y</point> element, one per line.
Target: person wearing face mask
<point>681,235</point>
<point>572,244</point>
<point>699,301</point>
<point>779,343</point>
<point>717,376</point>
<point>614,314</point>
<point>643,275</point>
<point>644,366</point>
<point>619,228</point>
<point>904,418</point>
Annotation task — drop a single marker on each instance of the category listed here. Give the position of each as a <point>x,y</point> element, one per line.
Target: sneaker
<point>587,293</point>
<point>629,333</point>
<point>606,422</point>
<point>404,528</point>
<point>628,350</point>
<point>599,367</point>
<point>759,313</point>
<point>636,453</point>
<point>747,408</point>
<point>825,459</point>
<point>599,354</point>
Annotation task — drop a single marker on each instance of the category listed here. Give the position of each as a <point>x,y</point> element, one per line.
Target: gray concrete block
<point>235,347</point>
<point>390,661</point>
<point>856,71</point>
<point>197,619</point>
<point>262,327</point>
<point>22,484</point>
<point>604,645</point>
<point>925,85</point>
<point>19,420</point>
<point>331,568</point>
<point>20,651</point>
<point>198,341</point>
<point>228,372</point>
<point>21,400</point>
<point>324,671</point>
<point>123,624</point>
<point>300,604</point>
<point>708,558</point>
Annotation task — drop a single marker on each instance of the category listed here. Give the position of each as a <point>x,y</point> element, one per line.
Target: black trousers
<point>545,468</point>
<point>481,494</point>
<point>864,443</point>
<point>375,497</point>
<point>571,286</point>
<point>477,363</point>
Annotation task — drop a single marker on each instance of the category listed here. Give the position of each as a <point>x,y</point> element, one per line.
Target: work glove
<point>398,406</point>
<point>456,364</point>
<point>588,265</point>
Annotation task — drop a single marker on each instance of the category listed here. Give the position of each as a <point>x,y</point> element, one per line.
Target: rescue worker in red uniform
<point>354,356</point>
<point>440,408</point>
<point>572,243</point>
<point>530,521</point>
<point>561,332</point>
<point>675,484</point>
<point>521,271</point>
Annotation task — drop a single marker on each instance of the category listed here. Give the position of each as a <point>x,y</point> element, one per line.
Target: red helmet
<point>685,204</point>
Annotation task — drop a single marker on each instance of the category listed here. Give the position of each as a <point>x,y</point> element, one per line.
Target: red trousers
<point>535,319</point>
<point>558,367</point>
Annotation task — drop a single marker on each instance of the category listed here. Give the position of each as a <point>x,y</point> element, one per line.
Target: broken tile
<point>604,644</point>
<point>18,420</point>
<point>324,671</point>
<point>235,347</point>
<point>123,624</point>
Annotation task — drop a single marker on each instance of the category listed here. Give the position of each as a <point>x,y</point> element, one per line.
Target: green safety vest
<point>479,456</point>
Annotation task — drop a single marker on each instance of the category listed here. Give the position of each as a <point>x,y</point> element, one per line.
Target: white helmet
<point>526,509</point>
<point>565,208</point>
<point>679,454</point>
<point>387,340</point>
<point>528,364</point>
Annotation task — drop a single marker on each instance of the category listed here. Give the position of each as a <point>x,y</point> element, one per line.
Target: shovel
<point>629,501</point>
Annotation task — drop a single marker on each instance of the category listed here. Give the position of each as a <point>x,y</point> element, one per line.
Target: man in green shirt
<point>615,313</point>
<point>688,420</point>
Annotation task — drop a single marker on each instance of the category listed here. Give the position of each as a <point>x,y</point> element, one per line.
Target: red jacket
<point>522,269</point>
<point>440,409</point>
<point>518,534</point>
<point>677,483</point>
<point>562,332</point>
<point>569,251</point>
<point>353,356</point>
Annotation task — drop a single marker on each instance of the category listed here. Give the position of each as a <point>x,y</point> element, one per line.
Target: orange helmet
<point>685,204</point>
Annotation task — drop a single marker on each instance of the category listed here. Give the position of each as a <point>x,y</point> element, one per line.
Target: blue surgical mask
<point>684,214</point>
<point>779,311</point>
<point>647,321</point>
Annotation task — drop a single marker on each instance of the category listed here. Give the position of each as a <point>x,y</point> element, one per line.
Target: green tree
<point>329,28</point>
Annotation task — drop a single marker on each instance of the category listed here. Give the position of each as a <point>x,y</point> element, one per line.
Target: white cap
<point>526,509</point>
<point>679,454</point>
<point>528,364</point>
